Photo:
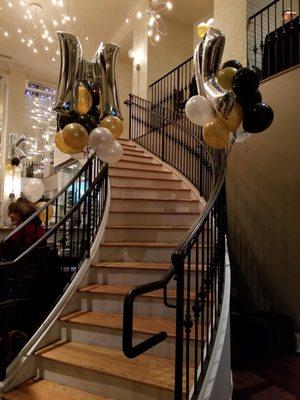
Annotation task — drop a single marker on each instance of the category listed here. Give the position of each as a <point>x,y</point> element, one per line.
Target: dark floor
<point>278,379</point>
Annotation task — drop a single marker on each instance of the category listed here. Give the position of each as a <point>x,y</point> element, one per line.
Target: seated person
<point>18,212</point>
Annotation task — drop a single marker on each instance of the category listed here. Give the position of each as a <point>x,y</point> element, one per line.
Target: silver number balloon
<point>105,61</point>
<point>70,72</point>
<point>14,146</point>
<point>207,60</point>
<point>75,69</point>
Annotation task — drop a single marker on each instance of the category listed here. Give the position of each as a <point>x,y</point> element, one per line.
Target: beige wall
<point>171,51</point>
<point>231,18</point>
<point>125,85</point>
<point>263,202</point>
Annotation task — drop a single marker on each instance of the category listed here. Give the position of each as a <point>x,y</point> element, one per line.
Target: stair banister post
<point>89,213</point>
<point>178,263</point>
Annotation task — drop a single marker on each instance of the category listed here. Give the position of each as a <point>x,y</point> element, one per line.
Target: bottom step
<point>46,390</point>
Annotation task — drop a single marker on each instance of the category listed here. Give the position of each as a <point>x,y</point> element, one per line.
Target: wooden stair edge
<point>144,325</point>
<point>39,388</point>
<point>109,361</point>
<point>152,199</point>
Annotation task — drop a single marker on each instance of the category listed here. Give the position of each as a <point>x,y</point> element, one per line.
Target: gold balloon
<point>235,117</point>
<point>202,29</point>
<point>225,77</point>
<point>9,168</point>
<point>85,100</point>
<point>75,136</point>
<point>61,145</point>
<point>114,124</point>
<point>43,214</point>
<point>216,133</point>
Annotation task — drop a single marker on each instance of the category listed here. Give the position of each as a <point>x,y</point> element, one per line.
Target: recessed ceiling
<point>189,12</point>
<point>94,21</point>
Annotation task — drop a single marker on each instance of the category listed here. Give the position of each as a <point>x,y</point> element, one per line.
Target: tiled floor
<point>278,379</point>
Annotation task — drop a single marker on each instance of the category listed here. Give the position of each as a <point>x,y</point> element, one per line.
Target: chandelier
<point>156,27</point>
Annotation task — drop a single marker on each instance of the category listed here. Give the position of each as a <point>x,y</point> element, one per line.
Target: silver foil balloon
<point>105,66</point>
<point>207,60</point>
<point>70,72</point>
<point>15,150</point>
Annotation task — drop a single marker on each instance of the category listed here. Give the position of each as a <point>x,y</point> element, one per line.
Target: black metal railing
<point>273,37</point>
<point>174,89</point>
<point>175,140</point>
<point>197,264</point>
<point>39,260</point>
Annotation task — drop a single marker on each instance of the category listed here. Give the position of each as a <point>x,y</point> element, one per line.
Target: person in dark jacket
<point>22,239</point>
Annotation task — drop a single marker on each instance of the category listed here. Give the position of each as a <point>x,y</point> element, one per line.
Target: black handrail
<point>51,201</point>
<point>273,37</point>
<point>32,282</point>
<point>174,89</point>
<point>201,252</point>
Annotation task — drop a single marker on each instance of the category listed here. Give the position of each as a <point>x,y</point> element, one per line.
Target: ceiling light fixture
<point>156,25</point>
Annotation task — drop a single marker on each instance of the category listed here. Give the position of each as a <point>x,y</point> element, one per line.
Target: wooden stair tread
<point>153,178</point>
<point>139,244</point>
<point>126,186</point>
<point>148,162</point>
<point>154,212</point>
<point>47,390</point>
<point>122,290</point>
<point>150,370</point>
<point>152,199</point>
<point>158,266</point>
<point>148,227</point>
<point>137,168</point>
<point>139,155</point>
<point>148,325</point>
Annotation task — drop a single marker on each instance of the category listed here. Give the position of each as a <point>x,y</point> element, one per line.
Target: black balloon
<point>233,64</point>
<point>244,102</point>
<point>15,161</point>
<point>94,112</point>
<point>87,121</point>
<point>95,92</point>
<point>245,82</point>
<point>257,118</point>
<point>65,119</point>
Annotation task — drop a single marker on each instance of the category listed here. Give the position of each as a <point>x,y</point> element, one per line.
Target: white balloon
<point>34,189</point>
<point>111,155</point>
<point>199,110</point>
<point>101,139</point>
<point>241,135</point>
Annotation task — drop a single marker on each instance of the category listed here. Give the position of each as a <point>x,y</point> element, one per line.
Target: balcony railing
<point>273,37</point>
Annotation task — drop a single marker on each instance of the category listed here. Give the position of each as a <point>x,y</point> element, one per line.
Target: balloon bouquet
<point>87,104</point>
<point>229,103</point>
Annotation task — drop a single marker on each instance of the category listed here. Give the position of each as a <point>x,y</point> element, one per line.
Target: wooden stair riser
<point>151,219</point>
<point>146,183</point>
<point>151,193</point>
<point>139,158</point>
<point>143,254</point>
<point>174,206</point>
<point>139,173</point>
<point>144,235</point>
<point>111,276</point>
<point>144,306</point>
<point>100,383</point>
<point>149,165</point>
<point>108,337</point>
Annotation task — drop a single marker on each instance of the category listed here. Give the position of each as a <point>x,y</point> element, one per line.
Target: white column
<point>140,51</point>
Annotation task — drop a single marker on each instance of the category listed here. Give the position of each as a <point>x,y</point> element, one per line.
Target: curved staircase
<point>152,208</point>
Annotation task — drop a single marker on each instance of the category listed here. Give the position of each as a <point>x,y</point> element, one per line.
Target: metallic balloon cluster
<point>87,101</point>
<point>229,103</point>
